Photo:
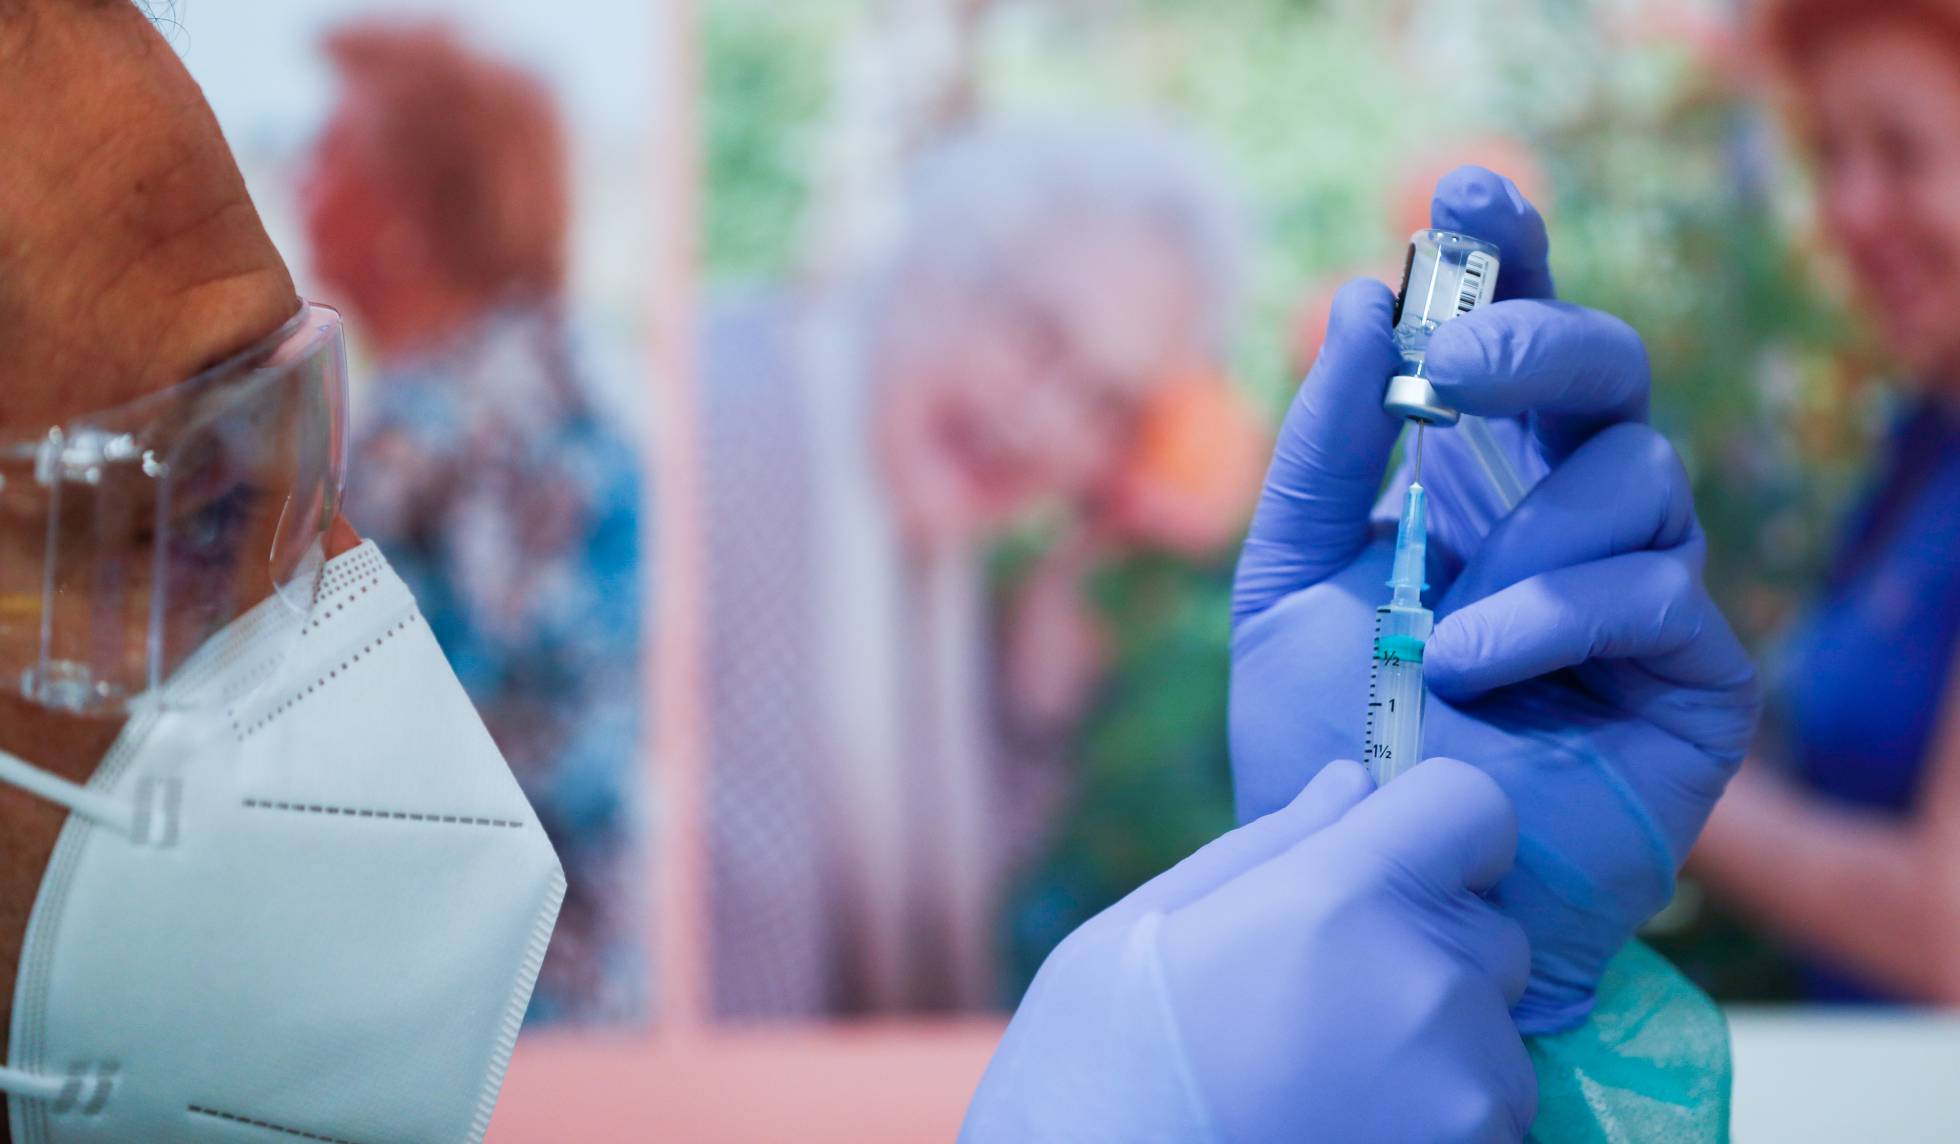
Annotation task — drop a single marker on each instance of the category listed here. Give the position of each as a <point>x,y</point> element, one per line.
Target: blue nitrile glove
<point>1328,972</point>
<point>1576,657</point>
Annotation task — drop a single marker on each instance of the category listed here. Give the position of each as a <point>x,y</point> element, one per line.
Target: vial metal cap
<point>1415,399</point>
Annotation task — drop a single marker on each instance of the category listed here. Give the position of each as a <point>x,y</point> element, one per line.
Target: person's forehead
<point>66,373</point>
<point>1884,66</point>
<point>1116,283</point>
<point>355,119</point>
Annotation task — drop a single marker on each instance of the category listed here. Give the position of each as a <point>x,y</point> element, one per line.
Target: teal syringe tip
<point>1411,548</point>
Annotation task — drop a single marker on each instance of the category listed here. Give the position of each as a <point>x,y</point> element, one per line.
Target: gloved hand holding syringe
<point>1576,657</point>
<point>1446,275</point>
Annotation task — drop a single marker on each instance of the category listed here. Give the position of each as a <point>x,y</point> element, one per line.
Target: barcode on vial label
<point>1475,288</point>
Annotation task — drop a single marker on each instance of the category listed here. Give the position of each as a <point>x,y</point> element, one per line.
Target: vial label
<point>1477,284</point>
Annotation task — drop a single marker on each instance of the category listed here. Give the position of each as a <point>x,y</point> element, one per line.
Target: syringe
<point>1446,276</point>
<point>1394,741</point>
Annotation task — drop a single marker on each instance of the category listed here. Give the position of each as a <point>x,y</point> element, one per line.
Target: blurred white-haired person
<point>886,739</point>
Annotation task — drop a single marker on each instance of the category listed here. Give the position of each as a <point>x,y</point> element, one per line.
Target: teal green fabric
<point>1652,1064</point>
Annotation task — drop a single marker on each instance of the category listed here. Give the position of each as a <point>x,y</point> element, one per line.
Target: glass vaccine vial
<point>1445,276</point>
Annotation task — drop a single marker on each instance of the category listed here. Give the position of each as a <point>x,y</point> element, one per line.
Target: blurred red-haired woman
<point>437,204</point>
<point>1852,848</point>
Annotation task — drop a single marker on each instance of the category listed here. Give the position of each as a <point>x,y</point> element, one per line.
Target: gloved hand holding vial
<point>1575,655</point>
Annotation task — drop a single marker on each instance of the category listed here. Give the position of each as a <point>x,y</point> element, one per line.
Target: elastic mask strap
<point>34,1086</point>
<point>85,1088</point>
<point>102,809</point>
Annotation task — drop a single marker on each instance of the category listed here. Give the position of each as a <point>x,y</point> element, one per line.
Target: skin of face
<point>369,252</point>
<point>130,258</point>
<point>1881,111</point>
<point>349,219</point>
<point>1028,394</point>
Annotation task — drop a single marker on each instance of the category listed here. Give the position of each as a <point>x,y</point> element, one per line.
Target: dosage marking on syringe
<point>1398,649</point>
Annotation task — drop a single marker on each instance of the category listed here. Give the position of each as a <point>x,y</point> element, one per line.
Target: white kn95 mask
<point>301,899</point>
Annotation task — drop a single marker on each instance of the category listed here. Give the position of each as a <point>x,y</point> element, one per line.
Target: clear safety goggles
<point>130,536</point>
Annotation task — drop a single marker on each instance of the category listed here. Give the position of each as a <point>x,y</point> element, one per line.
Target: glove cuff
<point>1093,1052</point>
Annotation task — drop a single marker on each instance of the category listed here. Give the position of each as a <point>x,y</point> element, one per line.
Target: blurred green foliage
<point>1151,782</point>
<point>1669,202</point>
<point>765,85</point>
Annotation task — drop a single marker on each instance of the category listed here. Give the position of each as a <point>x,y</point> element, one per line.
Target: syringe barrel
<point>1445,276</point>
<point>1396,694</point>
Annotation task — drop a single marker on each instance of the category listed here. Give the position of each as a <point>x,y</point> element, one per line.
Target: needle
<point>1418,452</point>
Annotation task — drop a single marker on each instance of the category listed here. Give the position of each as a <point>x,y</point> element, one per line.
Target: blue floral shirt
<point>511,506</point>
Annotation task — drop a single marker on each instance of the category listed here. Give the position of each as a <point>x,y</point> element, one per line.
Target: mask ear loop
<point>86,1087</point>
<point>33,1086</point>
<point>102,809</point>
<point>74,1089</point>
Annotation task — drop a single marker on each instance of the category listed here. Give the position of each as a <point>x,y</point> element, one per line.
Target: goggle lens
<point>167,519</point>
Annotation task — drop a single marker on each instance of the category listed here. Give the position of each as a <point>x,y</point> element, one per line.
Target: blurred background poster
<point>823,432</point>
<point>467,182</point>
<point>991,307</point>
<point>1001,299</point>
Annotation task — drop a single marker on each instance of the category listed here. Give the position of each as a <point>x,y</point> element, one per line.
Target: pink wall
<point>858,1083</point>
